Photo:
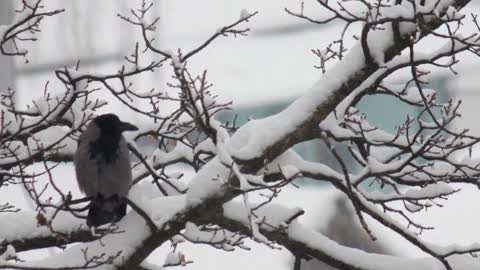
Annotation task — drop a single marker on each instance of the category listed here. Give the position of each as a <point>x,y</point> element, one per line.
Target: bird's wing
<point>86,169</point>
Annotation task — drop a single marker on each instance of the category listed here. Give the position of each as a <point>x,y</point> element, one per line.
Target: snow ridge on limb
<point>297,237</point>
<point>327,93</point>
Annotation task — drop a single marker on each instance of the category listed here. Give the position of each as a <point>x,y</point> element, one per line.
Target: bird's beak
<point>124,126</point>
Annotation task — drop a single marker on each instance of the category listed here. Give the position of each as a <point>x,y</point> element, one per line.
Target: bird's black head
<point>110,124</point>
<point>111,129</point>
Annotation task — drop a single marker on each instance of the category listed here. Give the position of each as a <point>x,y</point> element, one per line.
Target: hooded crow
<point>102,166</point>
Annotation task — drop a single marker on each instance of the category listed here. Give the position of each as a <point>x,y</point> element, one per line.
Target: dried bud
<point>41,220</point>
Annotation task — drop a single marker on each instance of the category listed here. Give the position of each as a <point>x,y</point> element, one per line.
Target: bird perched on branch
<point>102,166</point>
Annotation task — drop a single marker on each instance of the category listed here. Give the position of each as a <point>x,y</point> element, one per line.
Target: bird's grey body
<point>96,175</point>
<point>102,166</point>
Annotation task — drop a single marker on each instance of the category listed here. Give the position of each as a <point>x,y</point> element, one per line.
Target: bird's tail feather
<point>105,210</point>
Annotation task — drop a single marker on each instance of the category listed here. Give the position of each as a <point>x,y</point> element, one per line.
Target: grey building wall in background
<point>344,229</point>
<point>6,62</point>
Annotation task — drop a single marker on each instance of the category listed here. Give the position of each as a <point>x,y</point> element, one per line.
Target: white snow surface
<point>316,202</point>
<point>365,260</point>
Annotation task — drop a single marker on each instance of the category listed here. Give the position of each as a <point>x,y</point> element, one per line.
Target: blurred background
<point>261,74</point>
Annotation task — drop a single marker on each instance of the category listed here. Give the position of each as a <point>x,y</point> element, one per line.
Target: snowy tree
<point>240,170</point>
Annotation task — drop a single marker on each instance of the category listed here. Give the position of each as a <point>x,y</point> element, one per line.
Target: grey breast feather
<point>97,176</point>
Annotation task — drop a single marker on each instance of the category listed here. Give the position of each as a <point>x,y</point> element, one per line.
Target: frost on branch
<point>27,20</point>
<point>238,172</point>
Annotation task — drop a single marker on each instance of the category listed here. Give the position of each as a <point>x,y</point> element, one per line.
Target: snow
<point>160,209</point>
<point>176,61</point>
<point>111,244</point>
<point>413,207</point>
<point>9,254</point>
<point>180,151</point>
<point>51,136</point>
<point>453,14</point>
<point>243,145</point>
<point>205,146</point>
<point>290,171</point>
<point>405,11</point>
<point>244,14</point>
<point>223,239</point>
<point>378,41</point>
<point>291,158</point>
<point>431,191</point>
<point>256,135</point>
<point>144,191</point>
<point>207,182</point>
<point>151,266</point>
<point>450,220</point>
<point>273,214</point>
<point>24,225</point>
<point>370,261</point>
<point>259,256</point>
<point>310,202</point>
<point>174,258</point>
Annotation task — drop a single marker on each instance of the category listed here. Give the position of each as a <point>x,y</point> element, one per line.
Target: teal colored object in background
<point>381,110</point>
